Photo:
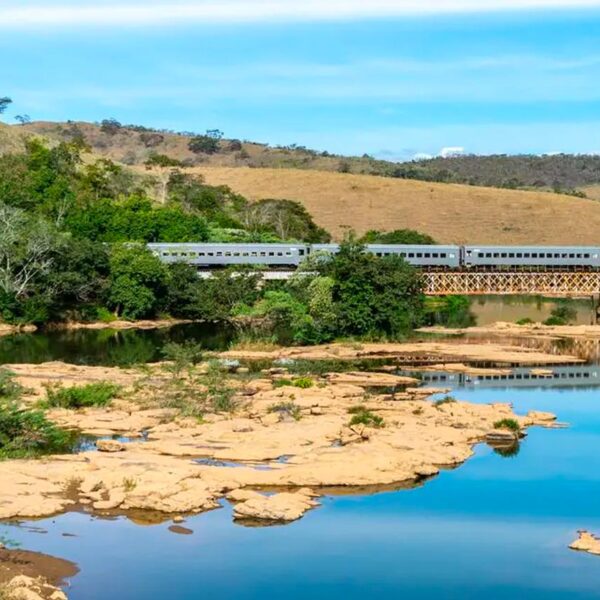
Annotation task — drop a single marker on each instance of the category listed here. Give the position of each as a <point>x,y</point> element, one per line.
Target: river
<point>496,526</point>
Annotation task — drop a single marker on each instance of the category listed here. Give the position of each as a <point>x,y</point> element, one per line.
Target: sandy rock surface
<point>285,506</point>
<point>186,466</point>
<point>486,352</point>
<point>586,542</point>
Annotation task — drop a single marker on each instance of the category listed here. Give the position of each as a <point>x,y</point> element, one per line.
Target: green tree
<point>137,282</point>
<point>5,101</point>
<point>398,236</point>
<point>373,296</point>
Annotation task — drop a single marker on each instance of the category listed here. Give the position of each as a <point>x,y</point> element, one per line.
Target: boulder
<point>279,507</point>
<point>110,446</point>
<point>586,542</point>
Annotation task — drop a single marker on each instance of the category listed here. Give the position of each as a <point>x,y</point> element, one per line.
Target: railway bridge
<point>559,283</point>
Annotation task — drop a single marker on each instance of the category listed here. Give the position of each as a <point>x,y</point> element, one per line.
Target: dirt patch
<point>34,564</point>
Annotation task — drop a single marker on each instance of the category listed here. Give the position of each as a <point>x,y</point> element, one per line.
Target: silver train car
<point>217,255</point>
<point>207,255</point>
<point>531,256</point>
<point>447,257</point>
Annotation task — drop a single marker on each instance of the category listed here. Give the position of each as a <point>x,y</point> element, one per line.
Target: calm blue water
<point>495,527</point>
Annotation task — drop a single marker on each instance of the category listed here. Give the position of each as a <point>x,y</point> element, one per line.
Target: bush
<point>183,356</point>
<point>445,400</point>
<point>204,144</point>
<point>300,382</point>
<point>511,424</point>
<point>92,394</point>
<point>525,321</point>
<point>289,408</point>
<point>362,416</point>
<point>561,314</point>
<point>25,432</point>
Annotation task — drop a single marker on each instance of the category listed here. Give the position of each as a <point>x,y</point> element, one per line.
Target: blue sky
<point>393,78</point>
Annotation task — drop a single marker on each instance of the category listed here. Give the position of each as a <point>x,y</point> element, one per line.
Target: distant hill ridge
<point>449,212</point>
<point>133,145</point>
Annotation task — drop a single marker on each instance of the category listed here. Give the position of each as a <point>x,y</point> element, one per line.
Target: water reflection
<point>570,376</point>
<point>108,347</point>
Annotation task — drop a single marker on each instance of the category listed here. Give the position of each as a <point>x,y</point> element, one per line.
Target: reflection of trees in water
<point>508,451</point>
<point>107,346</point>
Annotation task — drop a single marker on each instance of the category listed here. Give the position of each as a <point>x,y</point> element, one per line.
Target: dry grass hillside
<point>449,213</point>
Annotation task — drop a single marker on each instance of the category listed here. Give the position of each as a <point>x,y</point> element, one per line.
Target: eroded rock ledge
<point>586,542</point>
<point>281,437</point>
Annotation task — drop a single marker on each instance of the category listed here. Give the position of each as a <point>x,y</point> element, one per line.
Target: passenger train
<point>428,257</point>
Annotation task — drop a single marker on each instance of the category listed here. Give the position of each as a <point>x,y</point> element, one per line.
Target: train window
<point>419,255</point>
<point>263,253</point>
<point>578,255</point>
<point>519,255</point>
<point>288,253</point>
<point>534,255</point>
<point>586,256</point>
<point>245,254</point>
<point>227,253</point>
<point>496,254</point>
<point>504,255</point>
<point>411,255</point>
<point>236,253</point>
<point>280,254</point>
<point>511,255</point>
<point>571,256</point>
<point>443,255</point>
<point>556,255</point>
<point>301,252</point>
<point>253,253</point>
<point>378,254</point>
<point>427,255</point>
<point>435,255</point>
<point>219,254</point>
<point>210,253</point>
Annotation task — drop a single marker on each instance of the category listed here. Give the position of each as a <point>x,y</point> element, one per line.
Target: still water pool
<point>108,347</point>
<point>494,527</point>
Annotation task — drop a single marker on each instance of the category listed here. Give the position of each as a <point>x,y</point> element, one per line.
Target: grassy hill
<point>362,199</point>
<point>133,145</point>
<point>448,212</point>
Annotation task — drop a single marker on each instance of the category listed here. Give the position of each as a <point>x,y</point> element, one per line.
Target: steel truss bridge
<point>543,283</point>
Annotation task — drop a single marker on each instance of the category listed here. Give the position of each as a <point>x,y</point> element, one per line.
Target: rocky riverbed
<point>274,455</point>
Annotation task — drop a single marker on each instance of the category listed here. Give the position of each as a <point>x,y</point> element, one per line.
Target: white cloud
<point>451,151</point>
<point>160,13</point>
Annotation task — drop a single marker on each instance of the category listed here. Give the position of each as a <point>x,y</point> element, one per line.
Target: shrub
<point>561,314</point>
<point>299,382</point>
<point>25,432</point>
<point>362,416</point>
<point>183,356</point>
<point>525,321</point>
<point>511,424</point>
<point>303,382</point>
<point>445,400</point>
<point>92,394</point>
<point>290,408</point>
